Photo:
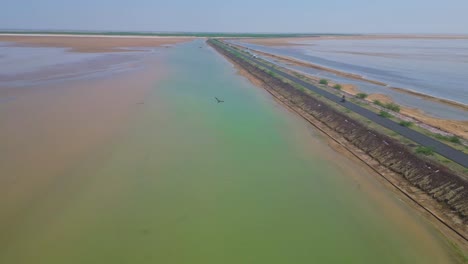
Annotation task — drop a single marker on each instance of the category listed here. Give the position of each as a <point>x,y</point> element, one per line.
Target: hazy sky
<point>334,16</point>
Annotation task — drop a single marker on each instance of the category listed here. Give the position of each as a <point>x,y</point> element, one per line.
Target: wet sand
<point>92,43</point>
<point>456,127</point>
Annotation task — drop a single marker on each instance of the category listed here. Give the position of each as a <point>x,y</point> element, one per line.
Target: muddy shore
<point>444,194</point>
<point>91,43</point>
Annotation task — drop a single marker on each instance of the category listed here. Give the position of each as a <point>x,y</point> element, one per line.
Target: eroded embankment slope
<point>436,180</point>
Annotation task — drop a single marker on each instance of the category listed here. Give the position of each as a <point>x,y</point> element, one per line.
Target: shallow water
<point>434,67</point>
<point>34,66</point>
<point>193,181</point>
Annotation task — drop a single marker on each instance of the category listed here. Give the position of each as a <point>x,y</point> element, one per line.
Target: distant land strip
<point>174,34</point>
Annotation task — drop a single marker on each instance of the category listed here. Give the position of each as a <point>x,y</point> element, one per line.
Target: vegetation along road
<point>439,147</point>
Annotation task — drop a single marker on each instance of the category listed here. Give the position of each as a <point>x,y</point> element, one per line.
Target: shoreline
<point>318,67</point>
<point>442,218</point>
<point>456,127</point>
<point>432,124</point>
<point>456,104</point>
<point>296,62</point>
<point>91,43</point>
<point>91,36</point>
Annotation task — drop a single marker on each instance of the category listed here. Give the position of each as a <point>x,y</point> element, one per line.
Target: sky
<point>286,16</point>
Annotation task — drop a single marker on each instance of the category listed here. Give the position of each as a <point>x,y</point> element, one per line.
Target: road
<point>423,140</point>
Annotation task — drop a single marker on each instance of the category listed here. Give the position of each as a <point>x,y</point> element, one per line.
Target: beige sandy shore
<point>91,43</point>
<point>294,41</point>
<point>456,127</point>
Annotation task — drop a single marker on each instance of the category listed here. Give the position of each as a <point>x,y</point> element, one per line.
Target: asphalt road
<point>439,147</point>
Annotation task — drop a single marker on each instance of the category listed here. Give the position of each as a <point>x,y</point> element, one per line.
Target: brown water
<point>168,175</point>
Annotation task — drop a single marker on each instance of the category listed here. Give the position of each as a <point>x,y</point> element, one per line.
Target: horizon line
<point>4,30</point>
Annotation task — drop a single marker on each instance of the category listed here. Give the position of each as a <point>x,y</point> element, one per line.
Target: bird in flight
<point>218,100</point>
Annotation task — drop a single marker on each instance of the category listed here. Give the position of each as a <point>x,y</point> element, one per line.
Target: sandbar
<point>80,43</point>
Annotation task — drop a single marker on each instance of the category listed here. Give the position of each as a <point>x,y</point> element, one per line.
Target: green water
<point>192,181</point>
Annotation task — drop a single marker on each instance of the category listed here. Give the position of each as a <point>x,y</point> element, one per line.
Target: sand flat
<point>80,43</point>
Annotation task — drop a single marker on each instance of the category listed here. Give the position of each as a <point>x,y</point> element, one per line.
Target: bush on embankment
<point>433,178</point>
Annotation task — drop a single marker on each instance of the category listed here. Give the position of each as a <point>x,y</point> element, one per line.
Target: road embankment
<point>297,62</point>
<point>449,189</point>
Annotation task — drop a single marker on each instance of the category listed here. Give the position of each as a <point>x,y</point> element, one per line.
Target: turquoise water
<point>193,181</point>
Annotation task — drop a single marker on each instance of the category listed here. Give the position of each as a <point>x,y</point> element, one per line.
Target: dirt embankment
<point>455,127</point>
<point>360,78</point>
<point>92,43</point>
<point>437,181</point>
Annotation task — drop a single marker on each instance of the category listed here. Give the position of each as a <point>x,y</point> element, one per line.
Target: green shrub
<point>377,102</point>
<point>385,114</point>
<point>362,95</point>
<point>453,139</point>
<point>323,81</point>
<point>299,87</point>
<point>337,86</point>
<point>393,107</point>
<point>406,123</point>
<point>425,150</point>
